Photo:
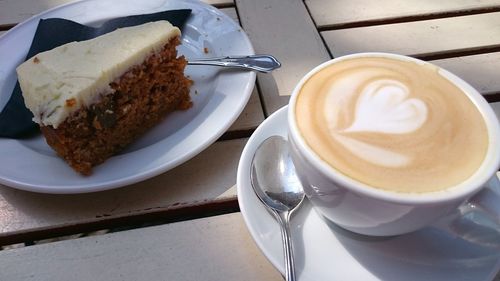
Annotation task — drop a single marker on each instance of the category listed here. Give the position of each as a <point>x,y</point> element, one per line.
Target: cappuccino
<point>392,124</point>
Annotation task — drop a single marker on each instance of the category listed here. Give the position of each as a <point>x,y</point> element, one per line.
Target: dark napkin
<point>15,118</point>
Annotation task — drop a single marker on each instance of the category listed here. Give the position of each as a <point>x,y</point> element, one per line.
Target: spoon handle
<point>284,219</point>
<point>261,63</point>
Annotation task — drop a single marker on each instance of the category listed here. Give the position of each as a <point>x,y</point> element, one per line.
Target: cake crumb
<point>36,60</point>
<point>205,50</point>
<point>71,102</point>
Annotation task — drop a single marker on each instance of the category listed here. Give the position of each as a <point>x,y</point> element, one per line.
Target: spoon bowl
<point>277,186</point>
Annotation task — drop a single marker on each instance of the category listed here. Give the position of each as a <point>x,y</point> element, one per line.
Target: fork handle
<point>261,63</point>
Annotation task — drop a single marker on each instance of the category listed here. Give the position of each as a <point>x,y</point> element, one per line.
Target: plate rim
<point>112,183</point>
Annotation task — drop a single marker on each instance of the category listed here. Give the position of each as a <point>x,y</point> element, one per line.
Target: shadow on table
<point>432,253</point>
<point>458,248</point>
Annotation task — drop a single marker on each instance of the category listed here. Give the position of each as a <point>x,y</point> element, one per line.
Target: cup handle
<point>478,219</point>
<point>486,202</point>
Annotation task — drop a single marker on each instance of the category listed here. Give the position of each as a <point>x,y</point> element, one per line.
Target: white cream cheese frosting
<point>58,82</point>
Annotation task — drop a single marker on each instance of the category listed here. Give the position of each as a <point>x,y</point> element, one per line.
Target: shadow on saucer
<point>433,253</point>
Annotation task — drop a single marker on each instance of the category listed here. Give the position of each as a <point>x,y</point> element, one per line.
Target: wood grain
<point>327,13</point>
<point>214,248</point>
<point>208,177</point>
<point>231,12</point>
<point>422,38</point>
<point>16,11</point>
<point>481,71</point>
<point>285,30</point>
<point>252,115</point>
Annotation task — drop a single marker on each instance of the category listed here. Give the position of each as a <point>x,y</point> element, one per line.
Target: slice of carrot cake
<point>92,98</point>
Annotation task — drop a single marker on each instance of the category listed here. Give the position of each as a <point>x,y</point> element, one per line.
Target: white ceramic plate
<point>218,95</point>
<point>324,251</point>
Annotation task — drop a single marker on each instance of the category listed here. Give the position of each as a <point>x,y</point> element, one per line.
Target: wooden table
<point>185,224</point>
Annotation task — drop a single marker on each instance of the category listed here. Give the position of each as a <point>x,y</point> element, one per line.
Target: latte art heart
<point>392,124</point>
<point>384,107</point>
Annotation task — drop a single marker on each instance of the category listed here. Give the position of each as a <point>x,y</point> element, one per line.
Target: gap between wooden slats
<point>285,30</point>
<point>421,39</point>
<point>215,248</point>
<point>481,71</point>
<point>347,14</point>
<point>204,184</point>
<point>16,11</point>
<point>112,223</point>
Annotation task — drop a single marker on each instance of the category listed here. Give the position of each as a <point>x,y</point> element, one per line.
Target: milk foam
<point>373,154</point>
<point>382,107</point>
<point>392,124</point>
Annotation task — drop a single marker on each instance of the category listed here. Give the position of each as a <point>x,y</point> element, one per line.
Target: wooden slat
<point>327,13</point>
<point>219,3</point>
<point>231,12</point>
<point>285,30</point>
<point>481,71</point>
<point>252,115</point>
<point>214,248</point>
<point>422,38</point>
<point>15,11</point>
<point>209,177</point>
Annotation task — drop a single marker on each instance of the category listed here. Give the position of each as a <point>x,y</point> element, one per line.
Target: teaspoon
<point>277,186</point>
<point>261,63</point>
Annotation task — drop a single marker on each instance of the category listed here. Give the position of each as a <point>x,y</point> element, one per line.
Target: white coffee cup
<point>363,209</point>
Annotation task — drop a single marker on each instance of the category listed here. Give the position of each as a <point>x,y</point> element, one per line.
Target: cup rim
<point>462,191</point>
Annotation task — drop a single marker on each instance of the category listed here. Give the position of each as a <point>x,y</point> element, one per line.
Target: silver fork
<point>261,63</point>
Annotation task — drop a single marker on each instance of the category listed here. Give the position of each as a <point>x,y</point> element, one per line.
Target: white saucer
<point>326,252</point>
